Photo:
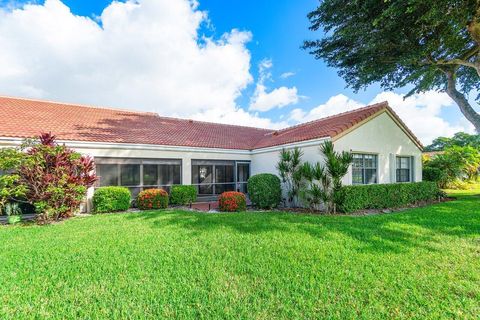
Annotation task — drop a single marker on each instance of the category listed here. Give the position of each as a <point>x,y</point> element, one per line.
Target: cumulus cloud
<point>264,100</point>
<point>139,54</point>
<point>420,112</point>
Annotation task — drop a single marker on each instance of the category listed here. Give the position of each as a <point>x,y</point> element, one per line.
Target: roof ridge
<point>370,106</point>
<point>78,105</point>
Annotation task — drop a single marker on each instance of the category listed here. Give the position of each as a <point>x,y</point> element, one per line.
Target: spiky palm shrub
<point>324,181</point>
<point>316,190</point>
<point>336,167</point>
<point>290,170</point>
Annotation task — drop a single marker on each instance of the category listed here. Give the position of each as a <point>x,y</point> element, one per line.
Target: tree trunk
<point>462,102</point>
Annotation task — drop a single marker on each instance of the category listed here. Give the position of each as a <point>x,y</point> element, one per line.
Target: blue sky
<point>277,29</point>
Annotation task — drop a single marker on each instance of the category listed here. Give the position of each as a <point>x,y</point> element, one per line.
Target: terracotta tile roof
<point>24,118</point>
<point>328,127</point>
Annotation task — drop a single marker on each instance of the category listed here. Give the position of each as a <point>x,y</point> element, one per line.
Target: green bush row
<point>111,199</point>
<point>384,196</point>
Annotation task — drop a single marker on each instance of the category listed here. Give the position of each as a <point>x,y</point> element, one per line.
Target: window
<point>150,174</point>
<point>130,174</point>
<point>138,174</point>
<point>169,174</point>
<point>364,168</point>
<point>108,174</point>
<point>404,165</point>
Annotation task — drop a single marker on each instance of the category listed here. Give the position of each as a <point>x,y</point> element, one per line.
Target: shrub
<point>111,199</point>
<point>51,177</point>
<point>265,190</point>
<point>183,195</point>
<point>433,174</point>
<point>232,201</point>
<point>152,199</point>
<point>383,196</point>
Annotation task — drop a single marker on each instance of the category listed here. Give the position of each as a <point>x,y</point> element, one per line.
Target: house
<point>144,150</point>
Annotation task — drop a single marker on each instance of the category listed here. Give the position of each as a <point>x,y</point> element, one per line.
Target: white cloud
<point>420,112</point>
<point>140,54</point>
<point>336,104</point>
<point>286,75</point>
<point>277,98</point>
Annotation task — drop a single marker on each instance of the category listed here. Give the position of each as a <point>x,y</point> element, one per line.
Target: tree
<point>455,164</point>
<point>460,139</point>
<point>427,44</point>
<point>289,168</point>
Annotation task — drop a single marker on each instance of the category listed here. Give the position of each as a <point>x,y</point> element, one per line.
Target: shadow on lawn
<point>380,233</point>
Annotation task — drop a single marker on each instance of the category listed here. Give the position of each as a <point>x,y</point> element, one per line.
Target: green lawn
<point>421,263</point>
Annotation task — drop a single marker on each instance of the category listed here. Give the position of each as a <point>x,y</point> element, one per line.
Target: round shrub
<point>232,201</point>
<point>265,190</point>
<point>110,199</point>
<point>183,195</point>
<point>152,199</point>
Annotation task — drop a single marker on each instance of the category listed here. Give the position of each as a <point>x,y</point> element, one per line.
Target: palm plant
<point>315,192</point>
<point>336,166</point>
<point>323,181</point>
<point>289,168</point>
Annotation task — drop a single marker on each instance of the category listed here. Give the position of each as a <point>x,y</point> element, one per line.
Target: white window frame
<point>363,154</point>
<point>411,165</point>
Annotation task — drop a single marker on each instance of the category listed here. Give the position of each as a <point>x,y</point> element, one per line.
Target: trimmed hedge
<point>384,196</point>
<point>265,190</point>
<point>110,199</point>
<point>152,199</point>
<point>232,201</point>
<point>183,195</point>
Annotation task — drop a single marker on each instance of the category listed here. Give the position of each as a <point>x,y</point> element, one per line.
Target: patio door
<point>212,177</point>
<point>243,173</point>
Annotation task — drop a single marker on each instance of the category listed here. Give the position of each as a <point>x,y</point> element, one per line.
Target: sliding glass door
<point>243,173</point>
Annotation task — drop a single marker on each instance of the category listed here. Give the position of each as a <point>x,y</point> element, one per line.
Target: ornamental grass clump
<point>152,199</point>
<point>232,201</point>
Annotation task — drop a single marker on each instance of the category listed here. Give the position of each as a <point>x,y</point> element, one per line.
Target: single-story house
<point>144,150</point>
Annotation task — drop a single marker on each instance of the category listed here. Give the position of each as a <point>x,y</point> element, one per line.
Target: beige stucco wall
<point>380,136</point>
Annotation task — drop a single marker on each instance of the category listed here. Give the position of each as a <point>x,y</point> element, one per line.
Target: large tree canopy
<point>460,139</point>
<point>429,44</point>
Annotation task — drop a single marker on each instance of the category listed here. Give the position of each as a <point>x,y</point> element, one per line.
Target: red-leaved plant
<point>232,201</point>
<point>55,176</point>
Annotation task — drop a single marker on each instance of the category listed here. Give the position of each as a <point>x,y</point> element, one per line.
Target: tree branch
<point>460,99</point>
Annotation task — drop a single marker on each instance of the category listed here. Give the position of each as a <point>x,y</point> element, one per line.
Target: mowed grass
<point>420,263</point>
